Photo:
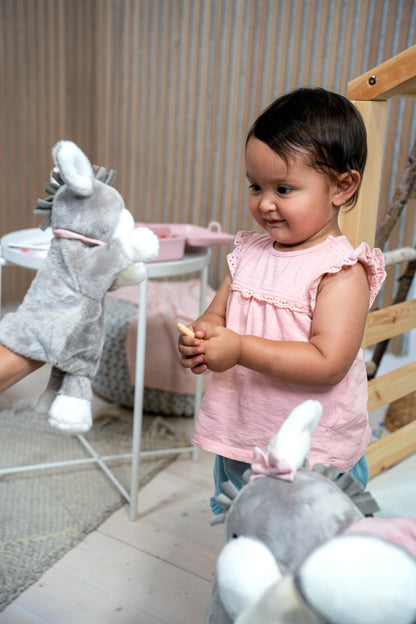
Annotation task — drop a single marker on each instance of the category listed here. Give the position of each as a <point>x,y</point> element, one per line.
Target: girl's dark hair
<point>325,125</point>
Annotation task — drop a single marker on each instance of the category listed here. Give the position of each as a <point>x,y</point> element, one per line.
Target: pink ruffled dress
<point>273,295</point>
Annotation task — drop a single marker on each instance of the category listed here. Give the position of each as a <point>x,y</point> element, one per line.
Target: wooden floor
<point>158,569</point>
<point>155,570</point>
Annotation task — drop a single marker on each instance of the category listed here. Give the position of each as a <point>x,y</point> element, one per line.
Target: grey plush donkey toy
<point>350,579</point>
<point>95,248</point>
<point>286,508</point>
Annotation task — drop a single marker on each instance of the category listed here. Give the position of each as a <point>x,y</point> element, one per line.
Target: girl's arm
<point>215,313</point>
<point>14,367</point>
<point>336,334</point>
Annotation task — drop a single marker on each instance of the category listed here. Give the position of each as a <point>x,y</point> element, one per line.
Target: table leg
<point>138,399</point>
<point>139,385</point>
<point>2,261</point>
<point>199,378</point>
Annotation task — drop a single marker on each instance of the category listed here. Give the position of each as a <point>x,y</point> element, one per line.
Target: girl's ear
<point>345,187</point>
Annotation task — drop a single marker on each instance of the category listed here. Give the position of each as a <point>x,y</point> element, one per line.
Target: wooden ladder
<point>370,94</point>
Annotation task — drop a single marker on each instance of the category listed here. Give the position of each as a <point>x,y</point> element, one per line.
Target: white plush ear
<point>245,569</point>
<point>360,579</point>
<point>74,167</point>
<point>293,440</point>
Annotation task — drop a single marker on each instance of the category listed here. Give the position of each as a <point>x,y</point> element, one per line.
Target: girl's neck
<point>319,238</point>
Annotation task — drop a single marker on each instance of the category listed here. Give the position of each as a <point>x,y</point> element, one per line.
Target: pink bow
<point>270,465</point>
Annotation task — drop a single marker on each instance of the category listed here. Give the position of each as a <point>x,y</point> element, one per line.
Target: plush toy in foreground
<point>351,579</point>
<point>300,549</point>
<point>61,319</point>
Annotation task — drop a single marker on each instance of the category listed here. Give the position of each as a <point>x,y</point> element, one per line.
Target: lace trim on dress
<point>274,300</point>
<point>240,243</point>
<point>372,262</point>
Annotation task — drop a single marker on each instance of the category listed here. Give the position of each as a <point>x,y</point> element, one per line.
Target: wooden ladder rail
<point>370,93</point>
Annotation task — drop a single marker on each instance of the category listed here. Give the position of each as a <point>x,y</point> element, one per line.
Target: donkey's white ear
<point>293,440</point>
<point>74,167</point>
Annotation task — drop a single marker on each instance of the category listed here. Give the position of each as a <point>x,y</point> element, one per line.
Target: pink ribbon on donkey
<point>270,465</point>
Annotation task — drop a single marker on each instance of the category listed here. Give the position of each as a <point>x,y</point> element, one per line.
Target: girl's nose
<point>268,204</point>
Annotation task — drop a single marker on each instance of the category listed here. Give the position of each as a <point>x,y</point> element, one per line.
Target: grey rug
<point>45,513</point>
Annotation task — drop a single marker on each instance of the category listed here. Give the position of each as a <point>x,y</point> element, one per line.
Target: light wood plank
<point>390,321</point>
<point>391,386</point>
<point>107,581</point>
<point>392,449</point>
<point>157,570</point>
<point>396,76</point>
<point>174,519</point>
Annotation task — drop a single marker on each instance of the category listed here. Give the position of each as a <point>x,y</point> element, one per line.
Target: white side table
<point>196,260</point>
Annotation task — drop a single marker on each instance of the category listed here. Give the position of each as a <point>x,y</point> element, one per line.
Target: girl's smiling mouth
<point>274,222</point>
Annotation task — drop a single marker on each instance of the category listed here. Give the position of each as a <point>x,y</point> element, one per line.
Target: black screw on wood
<point>372,80</point>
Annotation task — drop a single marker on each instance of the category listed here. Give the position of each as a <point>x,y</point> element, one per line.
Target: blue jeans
<point>232,470</point>
<point>360,471</point>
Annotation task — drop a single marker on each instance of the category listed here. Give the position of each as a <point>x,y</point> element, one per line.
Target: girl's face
<point>297,205</point>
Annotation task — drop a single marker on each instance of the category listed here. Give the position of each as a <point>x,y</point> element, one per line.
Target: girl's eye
<point>283,190</point>
<point>254,188</point>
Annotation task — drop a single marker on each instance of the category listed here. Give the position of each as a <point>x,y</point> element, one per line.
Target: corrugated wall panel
<point>164,92</point>
<point>33,114</point>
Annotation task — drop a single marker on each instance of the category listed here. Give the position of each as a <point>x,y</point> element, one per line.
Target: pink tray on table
<point>174,236</point>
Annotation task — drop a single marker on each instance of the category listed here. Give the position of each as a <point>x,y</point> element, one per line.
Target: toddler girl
<point>288,319</point>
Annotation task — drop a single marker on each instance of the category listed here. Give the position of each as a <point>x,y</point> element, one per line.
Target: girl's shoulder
<point>245,238</point>
<point>244,242</point>
<point>253,241</point>
<point>371,260</point>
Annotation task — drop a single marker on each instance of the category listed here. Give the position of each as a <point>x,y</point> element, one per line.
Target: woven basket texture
<point>401,412</point>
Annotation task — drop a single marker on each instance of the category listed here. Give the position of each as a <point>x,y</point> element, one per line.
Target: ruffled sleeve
<point>241,242</point>
<point>372,262</point>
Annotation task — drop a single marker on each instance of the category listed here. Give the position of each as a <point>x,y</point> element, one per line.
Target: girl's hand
<point>191,348</point>
<point>222,349</point>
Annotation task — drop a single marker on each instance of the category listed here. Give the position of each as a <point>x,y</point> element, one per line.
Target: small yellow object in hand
<point>185,330</point>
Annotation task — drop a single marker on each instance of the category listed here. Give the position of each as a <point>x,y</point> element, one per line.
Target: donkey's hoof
<point>70,414</point>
